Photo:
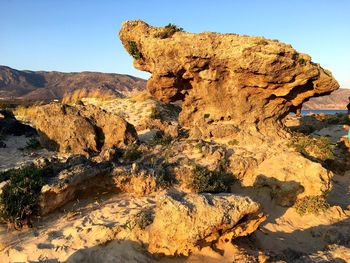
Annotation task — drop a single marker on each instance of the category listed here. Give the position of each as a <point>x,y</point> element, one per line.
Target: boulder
<point>289,175</point>
<point>184,223</point>
<point>85,130</point>
<point>230,85</point>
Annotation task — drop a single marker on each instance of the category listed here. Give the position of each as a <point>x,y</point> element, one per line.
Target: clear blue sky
<point>77,35</point>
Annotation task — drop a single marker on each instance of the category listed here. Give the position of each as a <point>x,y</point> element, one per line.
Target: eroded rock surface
<point>230,84</point>
<point>85,130</point>
<point>184,223</point>
<point>83,234</point>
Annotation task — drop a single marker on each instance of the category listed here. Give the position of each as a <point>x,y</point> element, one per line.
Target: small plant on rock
<point>160,139</point>
<point>168,31</point>
<point>132,153</point>
<point>133,50</point>
<point>311,205</point>
<point>143,219</point>
<point>164,178</point>
<point>204,180</point>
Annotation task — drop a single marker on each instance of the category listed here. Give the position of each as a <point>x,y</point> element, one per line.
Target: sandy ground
<point>86,231</point>
<point>12,156</point>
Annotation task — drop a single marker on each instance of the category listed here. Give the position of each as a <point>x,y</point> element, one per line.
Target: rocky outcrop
<point>231,85</point>
<point>85,130</point>
<point>184,223</point>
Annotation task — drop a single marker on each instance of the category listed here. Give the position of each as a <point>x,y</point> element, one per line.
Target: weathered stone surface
<point>77,181</point>
<point>289,175</point>
<point>230,84</point>
<point>81,178</point>
<point>183,223</point>
<point>85,130</point>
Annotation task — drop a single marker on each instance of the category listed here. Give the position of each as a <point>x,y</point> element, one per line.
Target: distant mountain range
<point>335,101</point>
<point>42,85</point>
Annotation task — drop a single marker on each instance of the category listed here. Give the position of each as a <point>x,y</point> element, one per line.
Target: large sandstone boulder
<point>85,130</point>
<point>231,85</point>
<point>184,223</point>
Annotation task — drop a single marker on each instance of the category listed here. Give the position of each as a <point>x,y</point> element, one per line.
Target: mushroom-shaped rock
<point>230,84</point>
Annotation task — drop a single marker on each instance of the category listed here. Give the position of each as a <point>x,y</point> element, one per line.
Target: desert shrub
<point>164,177</point>
<point>18,200</point>
<point>32,144</point>
<point>311,205</point>
<point>160,139</point>
<point>133,50</point>
<point>168,31</point>
<point>318,147</point>
<point>204,180</point>
<point>143,219</point>
<point>132,152</point>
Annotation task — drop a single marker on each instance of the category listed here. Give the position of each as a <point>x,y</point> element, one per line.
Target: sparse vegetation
<point>164,178</point>
<point>168,31</point>
<point>133,50</point>
<point>132,153</point>
<point>204,180</point>
<point>18,200</point>
<point>160,139</point>
<point>144,219</point>
<point>317,147</point>
<point>311,205</point>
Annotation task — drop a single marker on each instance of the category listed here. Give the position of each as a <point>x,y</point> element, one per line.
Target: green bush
<point>18,200</point>
<point>164,178</point>
<point>318,147</point>
<point>311,205</point>
<point>204,180</point>
<point>132,152</point>
<point>168,31</point>
<point>134,51</point>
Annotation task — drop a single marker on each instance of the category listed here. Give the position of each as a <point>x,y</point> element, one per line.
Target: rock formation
<point>183,223</point>
<point>230,84</point>
<point>85,130</point>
